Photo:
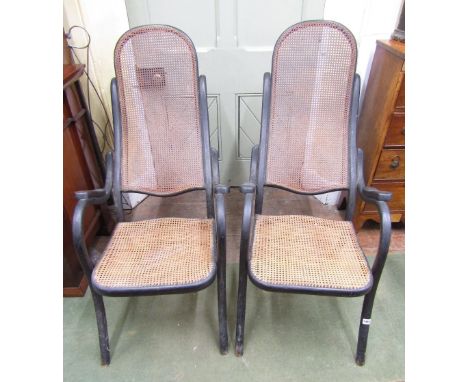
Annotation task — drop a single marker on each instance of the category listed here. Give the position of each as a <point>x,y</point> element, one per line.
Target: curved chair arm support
<point>254,165</point>
<point>369,194</point>
<point>379,199</point>
<point>79,242</point>
<point>220,218</point>
<point>219,205</point>
<point>86,198</point>
<point>100,195</point>
<point>249,190</point>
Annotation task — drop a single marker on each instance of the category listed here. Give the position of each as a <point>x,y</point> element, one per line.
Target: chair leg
<point>364,327</point>
<point>241,300</point>
<point>222,310</point>
<point>102,328</point>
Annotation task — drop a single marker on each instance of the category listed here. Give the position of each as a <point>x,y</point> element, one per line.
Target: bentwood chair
<point>308,146</point>
<point>162,148</point>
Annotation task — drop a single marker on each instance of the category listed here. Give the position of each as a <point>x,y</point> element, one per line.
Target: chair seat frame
<point>253,202</point>
<point>215,210</point>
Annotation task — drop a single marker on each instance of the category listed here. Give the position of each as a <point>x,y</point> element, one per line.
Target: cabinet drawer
<point>391,165</point>
<point>397,203</point>
<point>400,101</point>
<point>396,130</point>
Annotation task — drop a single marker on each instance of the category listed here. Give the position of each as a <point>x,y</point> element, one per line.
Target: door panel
<point>249,107</point>
<point>213,117</point>
<point>234,41</point>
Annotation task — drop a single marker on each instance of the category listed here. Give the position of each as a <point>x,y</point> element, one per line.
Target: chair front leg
<point>247,221</point>
<point>87,265</point>
<point>102,327</point>
<point>379,199</point>
<point>86,198</point>
<point>241,301</point>
<point>221,266</point>
<point>377,268</point>
<point>220,216</point>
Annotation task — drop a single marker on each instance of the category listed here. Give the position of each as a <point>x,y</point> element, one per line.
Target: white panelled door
<point>234,41</point>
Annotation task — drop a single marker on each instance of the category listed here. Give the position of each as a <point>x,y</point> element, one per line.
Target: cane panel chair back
<point>313,71</point>
<point>161,142</point>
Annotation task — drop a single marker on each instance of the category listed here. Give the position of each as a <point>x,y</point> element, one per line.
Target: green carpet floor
<point>288,337</point>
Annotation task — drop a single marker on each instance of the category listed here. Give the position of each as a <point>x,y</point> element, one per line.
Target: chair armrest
<point>99,195</point>
<point>248,188</point>
<point>222,189</point>
<point>369,194</point>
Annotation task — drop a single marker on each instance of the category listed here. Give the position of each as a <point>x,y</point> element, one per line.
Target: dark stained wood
<point>396,48</point>
<point>71,73</point>
<point>80,172</point>
<point>72,273</point>
<point>377,108</point>
<point>400,102</point>
<point>396,130</point>
<point>78,112</point>
<point>381,129</point>
<point>76,291</point>
<point>67,54</point>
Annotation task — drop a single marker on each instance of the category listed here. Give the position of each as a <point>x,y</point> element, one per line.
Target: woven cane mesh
<point>306,251</point>
<point>156,71</point>
<point>312,78</point>
<point>158,252</point>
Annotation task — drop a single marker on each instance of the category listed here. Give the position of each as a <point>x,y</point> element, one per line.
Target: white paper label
<point>366,321</point>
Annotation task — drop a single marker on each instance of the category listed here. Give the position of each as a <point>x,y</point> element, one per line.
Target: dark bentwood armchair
<point>308,146</point>
<point>162,148</point>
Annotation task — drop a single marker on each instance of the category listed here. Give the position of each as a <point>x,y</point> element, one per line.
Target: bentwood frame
<point>214,205</point>
<point>253,202</point>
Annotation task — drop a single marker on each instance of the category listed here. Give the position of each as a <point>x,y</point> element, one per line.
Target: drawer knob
<point>395,162</point>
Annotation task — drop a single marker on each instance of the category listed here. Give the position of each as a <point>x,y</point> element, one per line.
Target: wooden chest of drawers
<point>381,130</point>
<point>81,171</point>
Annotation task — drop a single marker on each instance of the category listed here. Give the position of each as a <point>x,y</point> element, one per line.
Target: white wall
<point>106,21</point>
<point>369,20</point>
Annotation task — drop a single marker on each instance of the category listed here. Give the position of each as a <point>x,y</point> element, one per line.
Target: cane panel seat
<point>308,252</point>
<point>157,253</point>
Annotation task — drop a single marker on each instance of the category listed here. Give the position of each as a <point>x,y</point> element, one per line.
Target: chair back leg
<point>102,327</point>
